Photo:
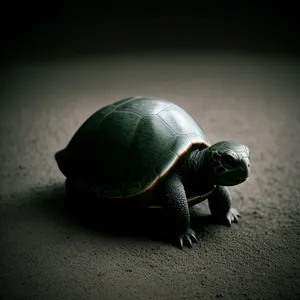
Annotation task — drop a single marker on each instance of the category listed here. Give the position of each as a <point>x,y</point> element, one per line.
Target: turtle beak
<point>242,172</point>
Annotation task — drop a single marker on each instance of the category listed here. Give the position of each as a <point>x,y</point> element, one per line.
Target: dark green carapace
<point>150,148</point>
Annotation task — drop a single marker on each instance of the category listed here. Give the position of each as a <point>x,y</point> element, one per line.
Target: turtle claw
<point>189,241</point>
<point>232,216</point>
<point>181,242</point>
<point>194,238</point>
<point>187,237</point>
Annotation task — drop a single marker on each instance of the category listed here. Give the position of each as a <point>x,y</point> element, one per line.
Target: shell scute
<point>128,146</point>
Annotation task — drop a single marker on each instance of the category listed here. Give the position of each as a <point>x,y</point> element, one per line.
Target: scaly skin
<point>177,205</point>
<point>220,206</point>
<point>192,176</point>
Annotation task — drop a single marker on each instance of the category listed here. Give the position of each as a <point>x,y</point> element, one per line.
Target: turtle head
<point>230,162</point>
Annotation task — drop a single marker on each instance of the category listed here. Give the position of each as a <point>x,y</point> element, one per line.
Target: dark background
<point>34,30</point>
<point>236,70</point>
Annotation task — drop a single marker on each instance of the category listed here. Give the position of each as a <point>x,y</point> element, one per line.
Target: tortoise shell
<point>127,147</point>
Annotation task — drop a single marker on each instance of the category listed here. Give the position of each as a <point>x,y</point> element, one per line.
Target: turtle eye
<point>229,160</point>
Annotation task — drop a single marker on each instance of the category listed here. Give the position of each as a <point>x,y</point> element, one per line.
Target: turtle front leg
<point>178,209</point>
<point>220,206</point>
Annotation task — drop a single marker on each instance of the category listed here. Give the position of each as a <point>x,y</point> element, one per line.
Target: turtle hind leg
<point>80,197</point>
<point>220,206</point>
<point>74,198</point>
<point>80,188</point>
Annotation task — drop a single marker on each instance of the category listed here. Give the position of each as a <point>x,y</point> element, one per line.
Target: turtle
<point>151,150</point>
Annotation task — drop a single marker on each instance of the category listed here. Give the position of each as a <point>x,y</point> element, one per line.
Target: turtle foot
<point>232,216</point>
<point>187,237</point>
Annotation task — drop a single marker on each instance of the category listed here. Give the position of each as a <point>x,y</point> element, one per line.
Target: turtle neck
<point>197,173</point>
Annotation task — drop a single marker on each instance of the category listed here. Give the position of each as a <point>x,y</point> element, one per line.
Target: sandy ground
<point>48,254</point>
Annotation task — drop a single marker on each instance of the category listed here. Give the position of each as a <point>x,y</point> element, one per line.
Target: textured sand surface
<point>47,254</point>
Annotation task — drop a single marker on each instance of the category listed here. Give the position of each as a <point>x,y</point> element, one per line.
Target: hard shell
<point>126,148</point>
